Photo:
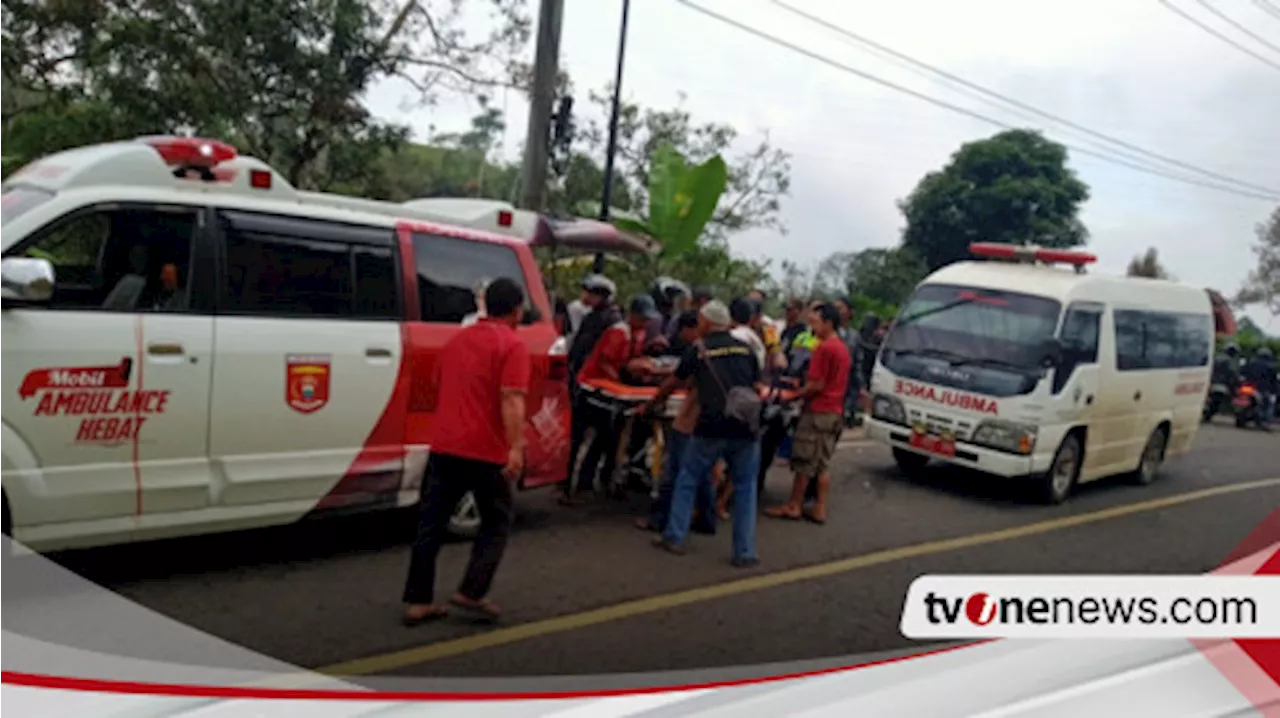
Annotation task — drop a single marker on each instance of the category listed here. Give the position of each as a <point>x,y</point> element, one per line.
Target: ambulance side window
<point>124,259</point>
<point>293,267</point>
<point>1080,330</point>
<point>450,269</point>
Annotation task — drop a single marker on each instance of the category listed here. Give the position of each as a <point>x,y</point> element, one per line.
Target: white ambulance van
<point>1017,366</point>
<point>192,345</point>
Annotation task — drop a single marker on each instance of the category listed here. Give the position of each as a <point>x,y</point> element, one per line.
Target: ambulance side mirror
<point>26,280</point>
<point>1052,353</point>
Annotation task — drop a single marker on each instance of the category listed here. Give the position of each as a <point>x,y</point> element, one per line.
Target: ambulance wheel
<point>910,462</point>
<point>465,521</point>
<point>1064,472</point>
<point>1152,457</point>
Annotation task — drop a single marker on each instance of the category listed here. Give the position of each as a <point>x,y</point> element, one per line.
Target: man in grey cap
<point>720,368</point>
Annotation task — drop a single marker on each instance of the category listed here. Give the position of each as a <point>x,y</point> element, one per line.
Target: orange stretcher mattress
<point>627,392</point>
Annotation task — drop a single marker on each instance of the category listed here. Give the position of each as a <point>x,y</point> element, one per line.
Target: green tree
<point>1148,265</point>
<point>1263,283</point>
<point>1014,187</point>
<point>758,178</point>
<point>282,80</point>
<point>884,276</point>
<point>682,199</point>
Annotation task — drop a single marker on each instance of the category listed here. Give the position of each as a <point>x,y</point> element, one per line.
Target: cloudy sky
<point>1131,69</point>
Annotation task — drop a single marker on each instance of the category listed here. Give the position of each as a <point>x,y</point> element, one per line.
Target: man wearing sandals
<point>822,420</point>
<point>481,379</point>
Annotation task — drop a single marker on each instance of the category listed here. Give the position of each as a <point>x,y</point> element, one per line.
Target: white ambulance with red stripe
<point>193,345</point>
<point>1018,367</point>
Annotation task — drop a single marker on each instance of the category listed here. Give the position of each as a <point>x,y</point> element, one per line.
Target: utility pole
<point>612,147</point>
<point>542,97</point>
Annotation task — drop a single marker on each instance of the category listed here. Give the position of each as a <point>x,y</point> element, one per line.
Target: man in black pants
<point>477,446</point>
<point>597,293</point>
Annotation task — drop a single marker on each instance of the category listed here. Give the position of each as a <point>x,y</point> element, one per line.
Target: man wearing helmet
<point>1260,371</point>
<point>597,312</point>
<point>614,352</point>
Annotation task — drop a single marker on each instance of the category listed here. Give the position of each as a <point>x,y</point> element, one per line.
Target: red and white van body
<point>286,374</point>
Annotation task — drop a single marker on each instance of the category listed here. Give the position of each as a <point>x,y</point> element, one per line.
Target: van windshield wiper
<point>934,310</point>
<point>991,361</point>
<point>950,357</point>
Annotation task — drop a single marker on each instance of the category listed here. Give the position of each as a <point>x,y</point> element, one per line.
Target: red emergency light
<point>999,250</point>
<point>260,179</point>
<point>190,151</point>
<point>504,218</point>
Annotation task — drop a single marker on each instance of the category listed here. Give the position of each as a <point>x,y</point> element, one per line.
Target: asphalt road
<point>327,592</point>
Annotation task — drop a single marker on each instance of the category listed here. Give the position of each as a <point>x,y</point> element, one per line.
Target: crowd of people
<point>731,361</point>
<point>754,388</point>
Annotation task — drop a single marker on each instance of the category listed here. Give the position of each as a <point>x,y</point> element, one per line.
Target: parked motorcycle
<point>1247,406</point>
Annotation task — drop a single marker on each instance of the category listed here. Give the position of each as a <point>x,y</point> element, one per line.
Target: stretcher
<point>624,401</point>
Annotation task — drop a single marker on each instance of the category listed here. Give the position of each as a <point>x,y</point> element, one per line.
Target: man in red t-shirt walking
<point>822,420</point>
<point>477,446</point>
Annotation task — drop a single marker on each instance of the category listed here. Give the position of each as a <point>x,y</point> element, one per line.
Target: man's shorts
<point>815,442</point>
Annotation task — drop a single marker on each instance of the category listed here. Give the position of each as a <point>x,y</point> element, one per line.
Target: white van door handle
<point>165,350</point>
<point>377,353</point>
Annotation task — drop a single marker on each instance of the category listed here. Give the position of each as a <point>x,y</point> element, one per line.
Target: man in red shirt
<point>620,345</point>
<point>822,420</point>
<point>477,446</point>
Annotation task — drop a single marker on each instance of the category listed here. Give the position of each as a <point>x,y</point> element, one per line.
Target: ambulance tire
<point>910,462</point>
<point>1152,457</point>
<point>1060,480</point>
<point>465,520</point>
<point>7,517</point>
<point>8,529</point>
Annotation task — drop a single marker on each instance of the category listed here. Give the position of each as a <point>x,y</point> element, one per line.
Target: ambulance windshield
<point>982,340</point>
<point>16,201</point>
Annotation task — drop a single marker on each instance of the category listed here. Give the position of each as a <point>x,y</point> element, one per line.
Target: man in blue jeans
<point>715,366</point>
<point>677,440</point>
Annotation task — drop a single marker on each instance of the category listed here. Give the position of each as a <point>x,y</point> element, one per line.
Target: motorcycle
<point>1215,400</point>
<point>1247,406</point>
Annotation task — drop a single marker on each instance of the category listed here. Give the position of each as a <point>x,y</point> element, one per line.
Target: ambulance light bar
<point>190,151</point>
<point>1020,253</point>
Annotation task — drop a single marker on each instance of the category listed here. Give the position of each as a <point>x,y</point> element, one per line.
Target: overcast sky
<point>1129,68</point>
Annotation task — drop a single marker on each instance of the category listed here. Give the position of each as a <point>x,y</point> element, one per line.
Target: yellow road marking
<point>560,624</point>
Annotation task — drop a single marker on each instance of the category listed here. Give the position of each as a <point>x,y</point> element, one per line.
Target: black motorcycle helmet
<point>1265,354</point>
<point>1231,350</point>
<point>665,291</point>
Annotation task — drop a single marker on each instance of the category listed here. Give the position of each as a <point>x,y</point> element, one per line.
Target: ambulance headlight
<point>1006,436</point>
<point>888,408</point>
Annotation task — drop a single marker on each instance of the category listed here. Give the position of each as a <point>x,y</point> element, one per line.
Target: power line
<point>1191,19</point>
<point>774,39</point>
<point>1268,8</point>
<point>1237,25</point>
<point>1021,105</point>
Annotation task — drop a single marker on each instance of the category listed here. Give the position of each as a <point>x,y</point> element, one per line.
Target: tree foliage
<point>1263,283</point>
<point>281,80</point>
<point>1148,265</point>
<point>1014,187</point>
<point>759,177</point>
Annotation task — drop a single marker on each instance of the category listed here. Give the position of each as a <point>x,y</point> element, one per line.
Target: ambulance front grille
<point>936,424</point>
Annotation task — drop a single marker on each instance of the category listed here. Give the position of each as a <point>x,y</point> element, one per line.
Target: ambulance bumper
<point>970,456</point>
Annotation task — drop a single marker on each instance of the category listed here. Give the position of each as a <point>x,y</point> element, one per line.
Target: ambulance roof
<point>1066,285</point>
<point>168,168</point>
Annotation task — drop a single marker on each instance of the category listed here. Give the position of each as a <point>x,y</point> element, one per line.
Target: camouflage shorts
<point>815,442</point>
